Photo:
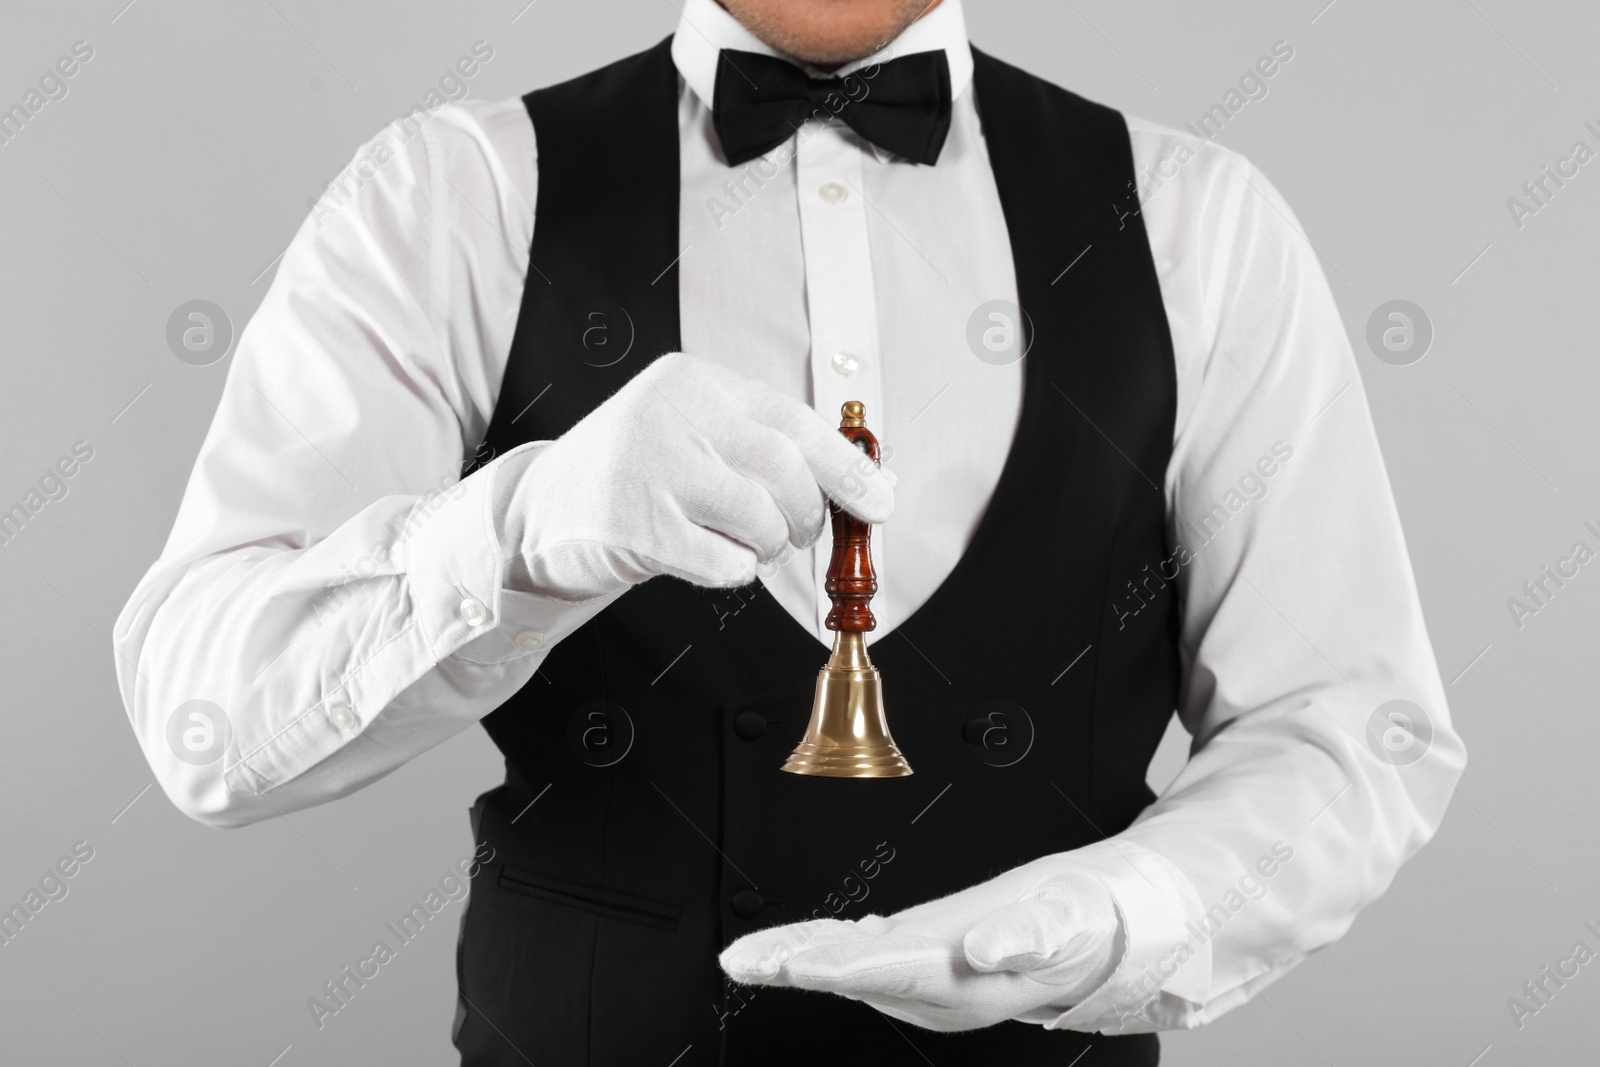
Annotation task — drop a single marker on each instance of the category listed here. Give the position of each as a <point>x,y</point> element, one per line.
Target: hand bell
<point>848,736</point>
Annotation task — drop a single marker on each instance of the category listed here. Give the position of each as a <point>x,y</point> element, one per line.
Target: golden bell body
<point>848,736</point>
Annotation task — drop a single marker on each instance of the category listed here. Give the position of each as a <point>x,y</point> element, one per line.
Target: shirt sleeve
<point>1323,754</point>
<point>331,601</point>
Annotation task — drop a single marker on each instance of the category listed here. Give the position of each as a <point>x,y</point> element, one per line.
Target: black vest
<point>644,823</point>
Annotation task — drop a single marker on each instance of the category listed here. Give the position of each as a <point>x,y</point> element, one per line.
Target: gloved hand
<point>1027,945</point>
<point>688,470</point>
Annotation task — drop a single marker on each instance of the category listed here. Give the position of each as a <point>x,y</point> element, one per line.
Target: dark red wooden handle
<point>850,582</point>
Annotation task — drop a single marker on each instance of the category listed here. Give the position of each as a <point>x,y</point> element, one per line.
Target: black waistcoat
<point>644,823</point>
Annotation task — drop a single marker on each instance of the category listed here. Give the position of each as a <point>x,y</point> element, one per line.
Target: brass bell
<point>848,736</point>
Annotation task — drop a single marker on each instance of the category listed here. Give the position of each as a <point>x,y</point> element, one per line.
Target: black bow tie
<point>902,105</point>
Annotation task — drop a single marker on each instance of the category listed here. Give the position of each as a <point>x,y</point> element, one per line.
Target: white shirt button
<point>832,192</point>
<point>846,363</point>
<point>529,640</point>
<point>473,613</point>
<point>342,716</point>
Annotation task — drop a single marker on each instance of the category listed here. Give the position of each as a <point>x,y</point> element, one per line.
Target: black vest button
<point>747,903</point>
<point>1002,736</point>
<point>749,725</point>
<point>976,728</point>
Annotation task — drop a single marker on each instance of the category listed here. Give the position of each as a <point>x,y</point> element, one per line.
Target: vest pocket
<point>606,903</point>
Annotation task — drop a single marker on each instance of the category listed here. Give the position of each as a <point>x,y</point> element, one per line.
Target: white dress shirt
<point>340,650</point>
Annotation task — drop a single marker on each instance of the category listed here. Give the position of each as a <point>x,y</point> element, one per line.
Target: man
<point>1135,473</point>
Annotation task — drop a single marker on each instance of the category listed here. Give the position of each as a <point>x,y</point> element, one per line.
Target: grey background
<point>181,163</point>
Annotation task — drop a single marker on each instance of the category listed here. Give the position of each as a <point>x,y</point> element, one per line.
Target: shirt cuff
<point>455,563</point>
<point>1167,955</point>
<point>456,609</point>
<point>529,626</point>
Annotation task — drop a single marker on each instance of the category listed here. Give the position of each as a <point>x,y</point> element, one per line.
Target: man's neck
<point>787,48</point>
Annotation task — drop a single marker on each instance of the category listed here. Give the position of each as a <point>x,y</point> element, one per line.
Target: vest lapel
<point>601,300</point>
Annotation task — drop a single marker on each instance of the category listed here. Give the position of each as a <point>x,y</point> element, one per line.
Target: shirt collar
<point>705,28</point>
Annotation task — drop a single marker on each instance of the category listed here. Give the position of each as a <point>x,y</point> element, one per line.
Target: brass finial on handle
<point>848,736</point>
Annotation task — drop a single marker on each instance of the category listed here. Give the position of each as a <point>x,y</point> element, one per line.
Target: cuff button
<point>342,716</point>
<point>473,613</point>
<point>529,640</point>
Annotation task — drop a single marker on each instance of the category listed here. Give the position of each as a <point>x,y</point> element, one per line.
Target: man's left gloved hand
<point>1027,945</point>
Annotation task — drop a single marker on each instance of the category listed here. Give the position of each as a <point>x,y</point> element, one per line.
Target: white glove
<point>1027,945</point>
<point>687,470</point>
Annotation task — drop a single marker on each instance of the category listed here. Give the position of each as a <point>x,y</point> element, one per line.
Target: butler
<point>647,392</point>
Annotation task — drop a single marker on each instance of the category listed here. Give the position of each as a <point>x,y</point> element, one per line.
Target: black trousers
<point>527,968</point>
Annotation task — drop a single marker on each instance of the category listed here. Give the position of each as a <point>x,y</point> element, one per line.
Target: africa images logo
<point>453,886</point>
<point>198,732</point>
<point>53,85</point>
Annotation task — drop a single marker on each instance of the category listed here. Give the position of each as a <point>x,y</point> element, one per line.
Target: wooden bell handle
<point>850,582</point>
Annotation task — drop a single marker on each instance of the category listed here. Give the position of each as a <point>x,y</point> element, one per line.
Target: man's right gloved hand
<point>688,470</point>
